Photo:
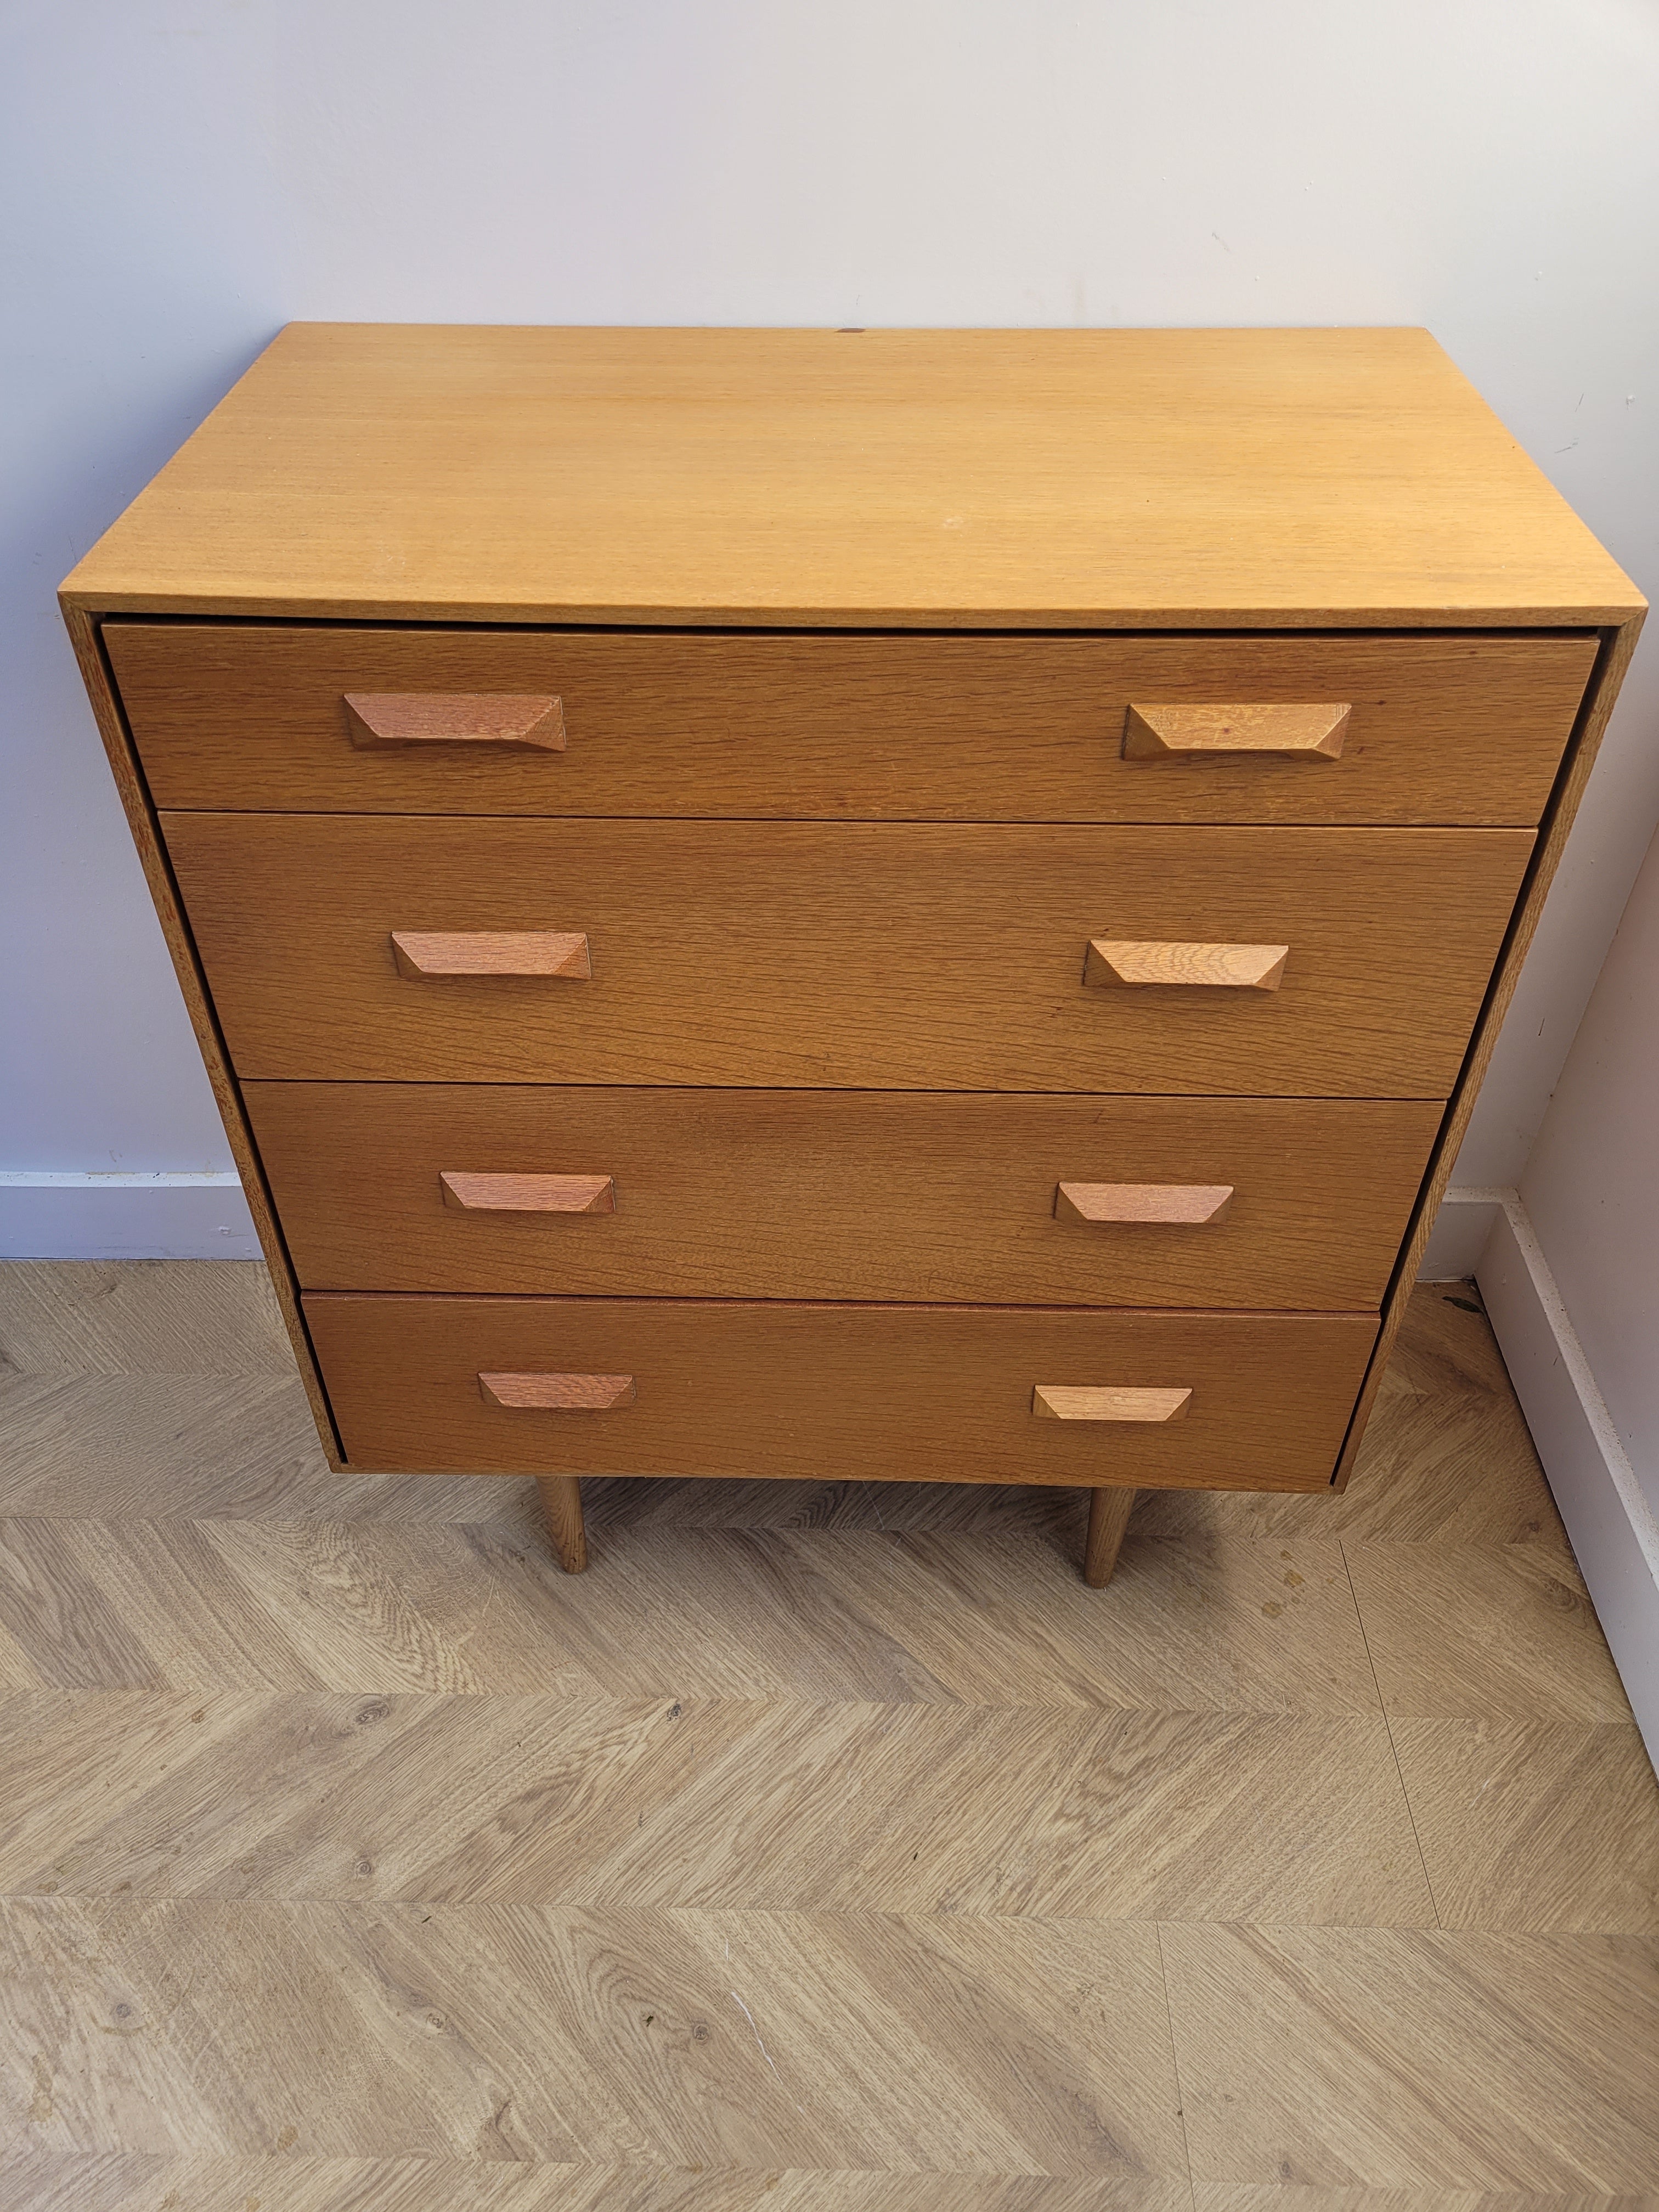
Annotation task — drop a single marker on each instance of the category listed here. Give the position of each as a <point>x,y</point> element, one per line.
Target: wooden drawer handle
<point>1213,733</point>
<point>1133,962</point>
<point>432,718</point>
<point>492,952</point>
<point>1188,1204</point>
<point>528,1194</point>
<point>558,1394</point>
<point>1050,1403</point>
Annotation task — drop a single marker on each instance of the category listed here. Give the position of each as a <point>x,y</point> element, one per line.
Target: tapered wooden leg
<point>1108,1516</point>
<point>562,1500</point>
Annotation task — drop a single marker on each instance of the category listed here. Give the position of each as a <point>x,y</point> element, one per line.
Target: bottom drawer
<point>863,1393</point>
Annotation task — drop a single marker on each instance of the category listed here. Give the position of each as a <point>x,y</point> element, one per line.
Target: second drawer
<point>846,955</point>
<point>843,1194</point>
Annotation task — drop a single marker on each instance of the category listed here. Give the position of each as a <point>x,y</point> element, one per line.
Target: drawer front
<point>842,956</point>
<point>1440,729</point>
<point>910,1393</point>
<point>841,1195</point>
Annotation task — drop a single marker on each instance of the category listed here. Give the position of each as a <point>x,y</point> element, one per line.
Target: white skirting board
<point>1460,1233</point>
<point>52,1215</point>
<point>1612,1526</point>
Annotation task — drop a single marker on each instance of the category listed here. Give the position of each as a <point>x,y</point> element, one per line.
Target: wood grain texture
<point>204,1017</point>
<point>1337,2197</point>
<point>255,1603</point>
<point>944,1610</point>
<point>938,478</point>
<point>1200,731</point>
<point>527,1194</point>
<point>267,1736</point>
<point>1416,2058</point>
<point>1186,1640</point>
<point>846,1195</point>
<point>1500,1630</point>
<point>561,1509</point>
<point>1188,480</point>
<point>545,1393</point>
<point>904,957</point>
<point>167,1443</point>
<point>654,384</point>
<point>882,1393</point>
<point>142,2181</point>
<point>1443,728</point>
<point>1195,1205</point>
<point>1047,2045</point>
<point>1045,1811</point>
<point>478,952</point>
<point>86,1318</point>
<point>1053,1401</point>
<point>426,718</point>
<point>817,1194</point>
<point>1108,1521</point>
<point>1128,965</point>
<point>1498,1804</point>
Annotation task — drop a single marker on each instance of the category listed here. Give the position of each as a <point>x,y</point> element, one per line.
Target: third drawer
<point>1266,1202</point>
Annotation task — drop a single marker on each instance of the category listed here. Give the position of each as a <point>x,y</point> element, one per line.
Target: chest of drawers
<point>909,906</point>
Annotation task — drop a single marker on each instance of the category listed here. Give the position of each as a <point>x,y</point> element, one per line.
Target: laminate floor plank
<point>272,1605</point>
<point>976,1619</point>
<point>150,2182</point>
<point>1481,1632</point>
<point>141,1318</point>
<point>120,1447</point>
<point>518,2032</point>
<point>1128,1816</point>
<point>1541,1823</point>
<point>744,1613</point>
<point>243,1795</point>
<point>923,1808</point>
<point>1256,2196</point>
<point>1221,1625</point>
<point>1416,2058</point>
<point>1214,1623</point>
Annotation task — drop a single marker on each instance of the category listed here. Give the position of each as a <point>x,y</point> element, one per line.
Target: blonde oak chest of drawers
<point>897,905</point>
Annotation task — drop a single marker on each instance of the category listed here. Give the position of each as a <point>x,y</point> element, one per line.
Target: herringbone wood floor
<point>820,1847</point>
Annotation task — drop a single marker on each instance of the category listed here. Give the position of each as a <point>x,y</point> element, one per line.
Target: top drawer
<point>1441,729</point>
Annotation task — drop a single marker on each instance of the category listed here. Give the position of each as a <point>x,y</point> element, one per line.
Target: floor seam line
<point>1393,1750</point>
<point>1175,2062</point>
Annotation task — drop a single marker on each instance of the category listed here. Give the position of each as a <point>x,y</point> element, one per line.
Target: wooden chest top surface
<point>1032,479</point>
